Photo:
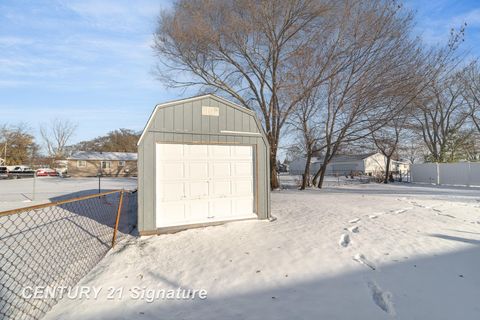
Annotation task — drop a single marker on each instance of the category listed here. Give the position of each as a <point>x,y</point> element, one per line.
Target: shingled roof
<point>106,156</point>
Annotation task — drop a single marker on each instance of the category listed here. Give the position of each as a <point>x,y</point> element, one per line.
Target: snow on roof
<point>346,157</point>
<point>92,155</point>
<point>352,157</point>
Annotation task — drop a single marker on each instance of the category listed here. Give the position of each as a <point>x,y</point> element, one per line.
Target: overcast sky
<point>91,60</point>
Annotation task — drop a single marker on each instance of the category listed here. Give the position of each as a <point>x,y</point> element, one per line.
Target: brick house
<point>112,164</point>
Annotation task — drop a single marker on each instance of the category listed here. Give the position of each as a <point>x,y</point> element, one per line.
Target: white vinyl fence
<point>459,174</point>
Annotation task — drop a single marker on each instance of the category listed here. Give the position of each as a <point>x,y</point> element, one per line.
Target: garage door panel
<point>171,171</point>
<point>243,206</point>
<point>222,152</point>
<point>242,152</point>
<point>196,151</point>
<point>198,190</point>
<point>197,170</point>
<point>199,210</point>
<point>242,169</point>
<point>221,208</point>
<point>171,213</point>
<point>221,169</point>
<point>172,191</point>
<point>222,189</point>
<point>242,188</point>
<point>170,151</point>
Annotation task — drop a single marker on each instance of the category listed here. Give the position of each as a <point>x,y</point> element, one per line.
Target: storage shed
<point>201,161</point>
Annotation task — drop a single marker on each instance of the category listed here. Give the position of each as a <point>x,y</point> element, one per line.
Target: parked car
<point>21,172</point>
<point>41,172</point>
<point>44,172</point>
<point>3,172</point>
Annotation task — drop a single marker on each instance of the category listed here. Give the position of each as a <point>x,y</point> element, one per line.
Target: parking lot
<point>25,192</point>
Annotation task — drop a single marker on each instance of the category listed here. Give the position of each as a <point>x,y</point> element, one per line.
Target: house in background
<point>369,163</point>
<point>402,167</point>
<point>114,164</point>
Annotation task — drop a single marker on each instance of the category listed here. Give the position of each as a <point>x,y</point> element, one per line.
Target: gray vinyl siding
<point>183,122</point>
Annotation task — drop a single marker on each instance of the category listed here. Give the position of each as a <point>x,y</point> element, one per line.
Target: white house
<point>400,166</point>
<point>370,163</point>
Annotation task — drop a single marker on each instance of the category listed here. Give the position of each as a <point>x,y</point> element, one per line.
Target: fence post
<point>469,171</point>
<point>119,211</point>
<point>438,174</point>
<point>127,210</point>
<point>34,181</point>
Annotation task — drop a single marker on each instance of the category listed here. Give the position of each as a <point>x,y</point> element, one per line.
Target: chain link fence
<point>54,245</point>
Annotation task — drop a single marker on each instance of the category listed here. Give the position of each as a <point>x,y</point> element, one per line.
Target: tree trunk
<point>320,175</point>
<point>315,178</point>
<point>323,170</point>
<point>274,183</point>
<point>306,172</point>
<point>387,170</point>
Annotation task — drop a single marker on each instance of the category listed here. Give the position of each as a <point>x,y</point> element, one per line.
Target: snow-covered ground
<point>367,251</point>
<point>26,192</point>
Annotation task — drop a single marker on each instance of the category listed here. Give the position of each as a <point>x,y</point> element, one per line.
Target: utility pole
<point>5,152</point>
<point>4,134</point>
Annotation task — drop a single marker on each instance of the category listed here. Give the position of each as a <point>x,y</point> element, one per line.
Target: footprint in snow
<point>445,215</point>
<point>399,211</point>
<point>360,258</point>
<point>372,216</point>
<point>354,220</point>
<point>344,240</point>
<point>383,299</point>
<point>353,229</point>
<point>416,204</point>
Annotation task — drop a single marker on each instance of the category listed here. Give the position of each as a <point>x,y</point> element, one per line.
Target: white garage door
<point>203,183</point>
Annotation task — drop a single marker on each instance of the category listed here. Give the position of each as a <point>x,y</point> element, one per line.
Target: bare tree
<point>120,140</point>
<point>305,128</point>
<point>471,83</point>
<point>387,71</point>
<point>56,136</point>
<point>249,50</point>
<point>381,75</point>
<point>413,149</point>
<point>442,117</point>
<point>388,138</point>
